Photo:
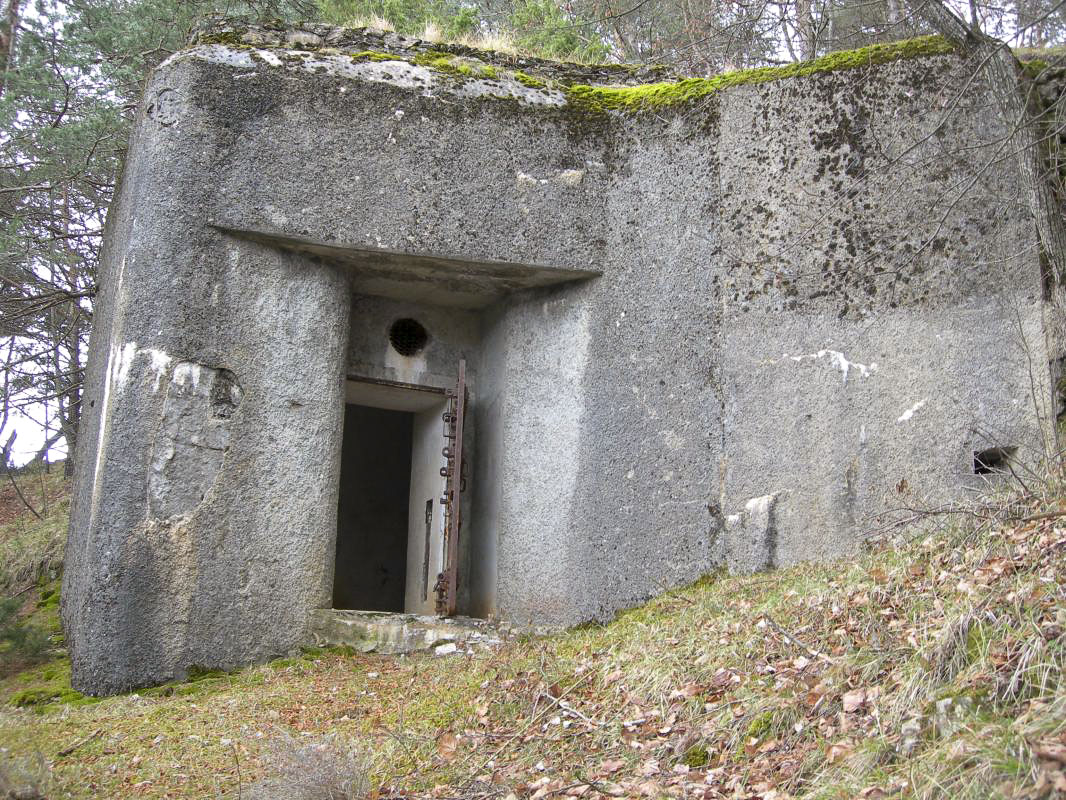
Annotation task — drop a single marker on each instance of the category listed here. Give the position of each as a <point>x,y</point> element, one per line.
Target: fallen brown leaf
<point>854,700</point>
<point>447,746</point>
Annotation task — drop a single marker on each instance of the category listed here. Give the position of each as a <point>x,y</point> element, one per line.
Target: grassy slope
<point>31,556</point>
<point>32,547</point>
<point>814,681</point>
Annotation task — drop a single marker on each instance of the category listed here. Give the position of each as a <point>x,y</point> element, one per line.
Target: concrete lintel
<point>419,277</point>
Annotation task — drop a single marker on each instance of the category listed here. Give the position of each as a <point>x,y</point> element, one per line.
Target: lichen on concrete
<point>439,73</point>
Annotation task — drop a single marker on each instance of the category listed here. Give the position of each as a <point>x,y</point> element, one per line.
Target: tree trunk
<point>892,16</point>
<point>805,29</point>
<point>8,28</point>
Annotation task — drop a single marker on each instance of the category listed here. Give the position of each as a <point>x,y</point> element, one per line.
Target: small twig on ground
<point>569,709</point>
<point>671,592</point>
<point>914,514</point>
<point>723,706</point>
<point>237,761</point>
<point>66,751</point>
<point>1038,517</point>
<point>399,739</point>
<point>592,784</point>
<point>810,650</point>
<point>503,747</point>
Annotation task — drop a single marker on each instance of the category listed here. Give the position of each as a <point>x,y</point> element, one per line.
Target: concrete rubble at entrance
<point>391,634</point>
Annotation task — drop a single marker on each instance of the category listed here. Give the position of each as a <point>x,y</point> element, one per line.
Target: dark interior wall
<point>372,510</point>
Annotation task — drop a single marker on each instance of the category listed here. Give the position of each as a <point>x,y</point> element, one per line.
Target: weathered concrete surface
<point>822,289</point>
<point>193,439</point>
<point>430,280</point>
<point>751,536</point>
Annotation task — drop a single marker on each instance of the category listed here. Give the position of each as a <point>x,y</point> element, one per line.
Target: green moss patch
<point>659,95</point>
<point>227,38</point>
<point>44,700</point>
<point>1035,60</point>
<point>49,598</point>
<point>695,757</point>
<point>455,66</point>
<point>528,80</point>
<point>371,55</point>
<point>44,689</point>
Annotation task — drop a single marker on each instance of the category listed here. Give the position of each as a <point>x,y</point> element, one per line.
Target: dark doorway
<point>372,512</point>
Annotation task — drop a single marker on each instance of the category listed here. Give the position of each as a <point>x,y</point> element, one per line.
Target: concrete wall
<point>868,345</point>
<point>453,334</point>
<point>813,295</point>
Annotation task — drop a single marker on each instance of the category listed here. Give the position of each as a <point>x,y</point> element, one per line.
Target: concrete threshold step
<point>393,633</point>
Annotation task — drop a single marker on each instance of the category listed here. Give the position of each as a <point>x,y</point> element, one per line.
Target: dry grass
<point>930,669</point>
<point>373,23</point>
<point>431,33</point>
<point>320,768</point>
<point>498,42</point>
<point>23,778</point>
<point>29,547</point>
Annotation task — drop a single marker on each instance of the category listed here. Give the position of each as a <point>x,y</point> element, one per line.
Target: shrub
<point>20,644</point>
<point>315,768</point>
<point>23,778</point>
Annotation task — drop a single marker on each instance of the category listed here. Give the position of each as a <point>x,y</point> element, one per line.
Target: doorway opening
<point>372,509</point>
<point>390,522</point>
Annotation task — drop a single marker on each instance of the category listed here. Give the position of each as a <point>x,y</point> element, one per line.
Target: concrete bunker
<point>652,303</point>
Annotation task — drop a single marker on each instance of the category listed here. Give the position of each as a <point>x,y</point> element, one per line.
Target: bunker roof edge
<point>595,89</point>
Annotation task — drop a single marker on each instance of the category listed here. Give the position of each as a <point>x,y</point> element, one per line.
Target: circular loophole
<point>407,336</point>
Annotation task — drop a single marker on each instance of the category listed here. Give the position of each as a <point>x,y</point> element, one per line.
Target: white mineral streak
<point>838,361</point>
<point>101,435</point>
<point>185,373</point>
<point>123,364</point>
<point>119,363</point>
<point>906,415</point>
<point>159,363</point>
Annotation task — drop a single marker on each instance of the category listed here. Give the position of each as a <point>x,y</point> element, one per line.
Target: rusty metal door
<point>454,473</point>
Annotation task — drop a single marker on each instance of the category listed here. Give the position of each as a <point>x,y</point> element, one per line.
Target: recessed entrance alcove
<point>416,325</point>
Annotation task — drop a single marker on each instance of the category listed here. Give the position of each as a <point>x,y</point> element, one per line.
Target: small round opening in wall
<point>407,336</point>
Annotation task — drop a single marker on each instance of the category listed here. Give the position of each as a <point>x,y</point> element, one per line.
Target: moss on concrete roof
<point>659,95</point>
<point>473,65</point>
